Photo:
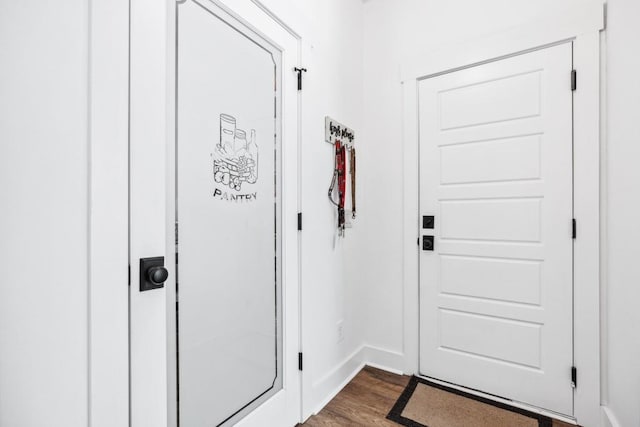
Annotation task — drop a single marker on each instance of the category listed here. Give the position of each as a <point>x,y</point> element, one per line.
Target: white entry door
<point>214,191</point>
<point>496,178</point>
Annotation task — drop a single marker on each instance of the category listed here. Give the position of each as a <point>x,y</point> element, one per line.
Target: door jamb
<point>582,27</point>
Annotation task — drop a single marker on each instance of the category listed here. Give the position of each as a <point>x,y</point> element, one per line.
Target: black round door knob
<point>157,275</point>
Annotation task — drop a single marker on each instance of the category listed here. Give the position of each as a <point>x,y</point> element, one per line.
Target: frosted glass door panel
<point>228,210</point>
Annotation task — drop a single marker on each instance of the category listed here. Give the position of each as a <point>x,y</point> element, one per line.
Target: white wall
<point>396,30</point>
<point>43,220</point>
<point>622,354</point>
<point>333,55</point>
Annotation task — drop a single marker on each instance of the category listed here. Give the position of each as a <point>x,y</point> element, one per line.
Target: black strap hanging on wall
<point>339,180</point>
<point>352,172</point>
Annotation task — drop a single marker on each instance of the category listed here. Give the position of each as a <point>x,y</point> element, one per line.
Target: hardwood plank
<point>365,401</point>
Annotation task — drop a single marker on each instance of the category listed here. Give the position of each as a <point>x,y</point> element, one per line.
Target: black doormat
<point>426,404</point>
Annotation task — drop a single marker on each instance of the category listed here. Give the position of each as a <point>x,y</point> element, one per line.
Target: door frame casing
<point>582,27</point>
<point>552,255</point>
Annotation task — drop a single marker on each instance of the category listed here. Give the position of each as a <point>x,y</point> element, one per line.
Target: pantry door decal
<point>235,162</point>
<point>228,199</point>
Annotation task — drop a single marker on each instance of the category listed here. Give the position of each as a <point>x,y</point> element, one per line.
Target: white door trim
<point>582,26</point>
<point>108,255</point>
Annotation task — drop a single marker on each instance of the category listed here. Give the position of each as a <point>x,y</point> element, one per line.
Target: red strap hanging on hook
<point>341,166</point>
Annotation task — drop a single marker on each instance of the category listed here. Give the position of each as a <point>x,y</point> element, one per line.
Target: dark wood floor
<point>366,401</point>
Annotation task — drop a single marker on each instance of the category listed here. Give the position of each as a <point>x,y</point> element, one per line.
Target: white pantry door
<point>214,191</point>
<point>496,175</point>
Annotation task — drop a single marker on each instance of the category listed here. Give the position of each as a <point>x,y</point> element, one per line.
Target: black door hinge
<point>299,221</point>
<point>574,228</point>
<point>300,71</point>
<point>574,377</point>
<point>129,276</point>
<point>574,79</point>
<point>300,361</point>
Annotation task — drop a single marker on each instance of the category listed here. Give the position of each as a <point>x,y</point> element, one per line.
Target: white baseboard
<point>386,360</point>
<point>608,418</point>
<point>327,387</point>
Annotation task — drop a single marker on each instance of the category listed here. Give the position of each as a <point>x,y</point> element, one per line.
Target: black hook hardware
<point>300,71</point>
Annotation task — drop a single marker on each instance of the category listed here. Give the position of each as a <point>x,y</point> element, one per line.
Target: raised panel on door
<point>228,209</point>
<point>496,172</point>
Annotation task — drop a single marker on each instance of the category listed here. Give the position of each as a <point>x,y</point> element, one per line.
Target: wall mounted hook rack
<point>334,130</point>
